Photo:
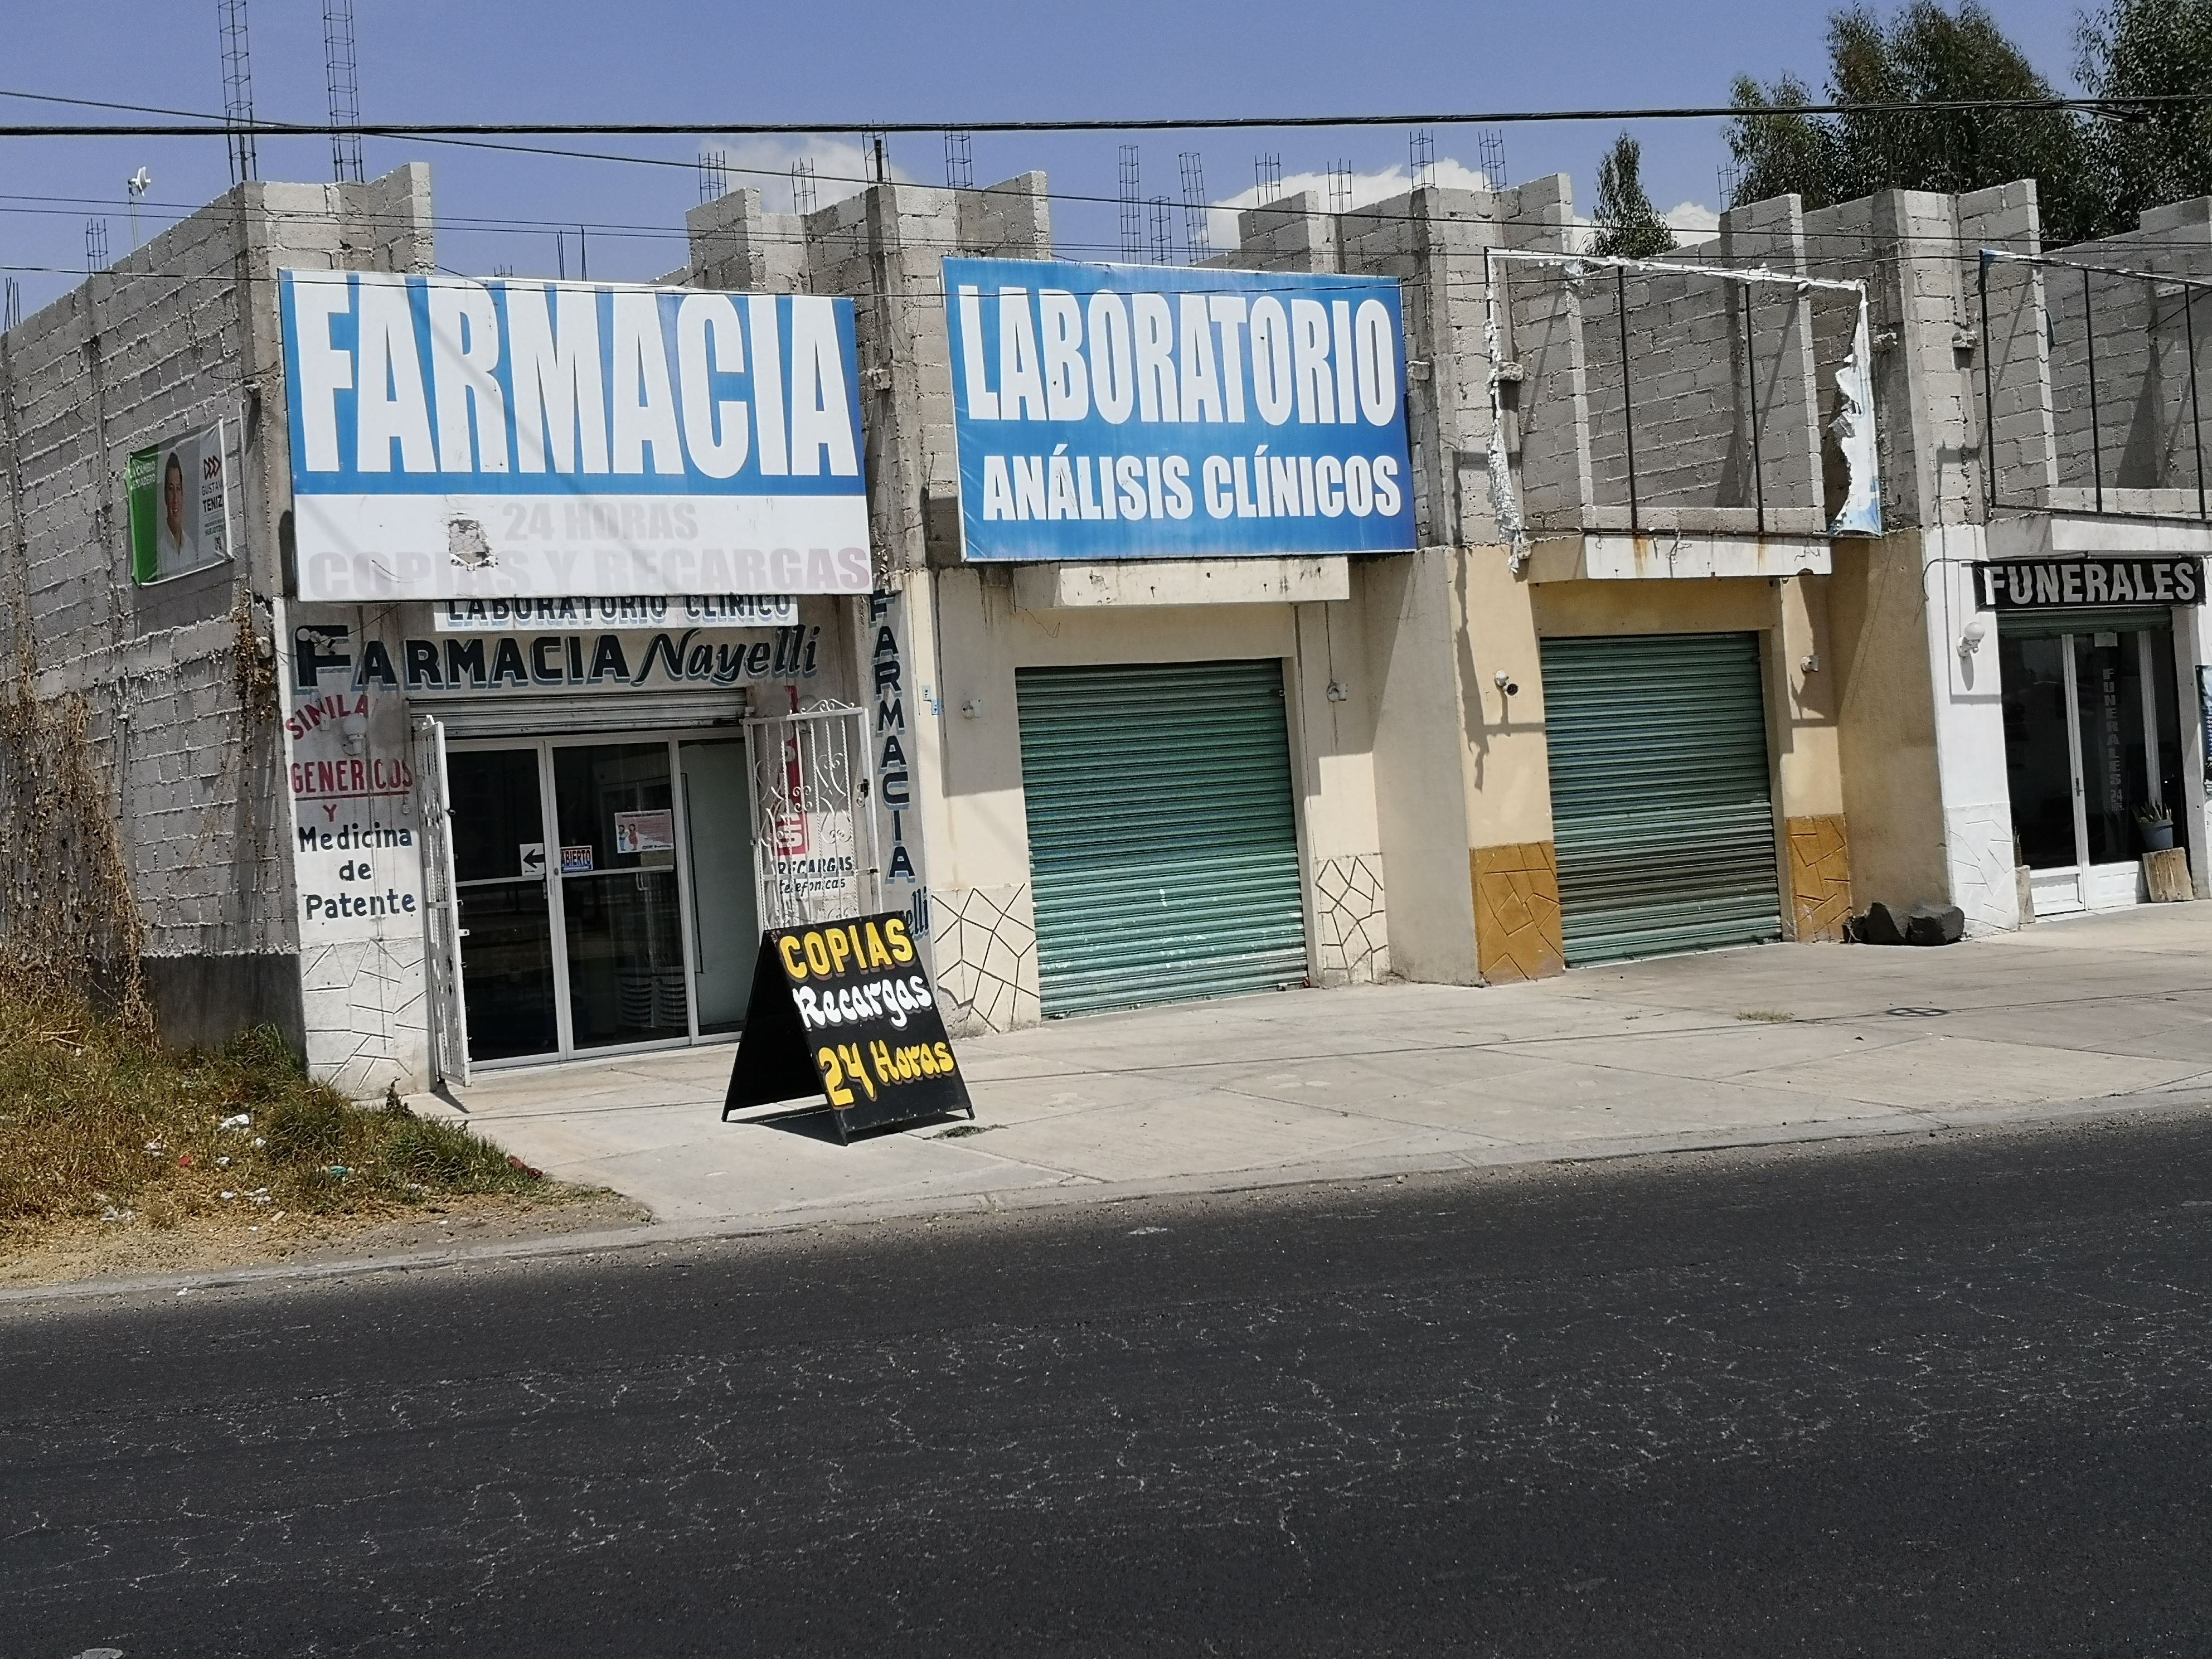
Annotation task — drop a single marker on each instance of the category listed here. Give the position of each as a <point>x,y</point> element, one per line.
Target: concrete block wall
<point>1679,397</point>
<point>1904,245</point>
<point>1696,364</point>
<point>2121,371</point>
<point>2022,464</point>
<point>174,336</point>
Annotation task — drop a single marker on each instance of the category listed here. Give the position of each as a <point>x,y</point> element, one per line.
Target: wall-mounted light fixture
<point>1503,682</point>
<point>1810,662</point>
<point>1971,639</point>
<point>1339,691</point>
<point>971,709</point>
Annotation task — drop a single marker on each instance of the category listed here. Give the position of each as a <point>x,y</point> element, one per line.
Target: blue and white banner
<point>455,439</point>
<point>1149,413</point>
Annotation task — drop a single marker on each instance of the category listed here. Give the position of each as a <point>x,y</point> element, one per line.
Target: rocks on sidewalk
<point>1924,924</point>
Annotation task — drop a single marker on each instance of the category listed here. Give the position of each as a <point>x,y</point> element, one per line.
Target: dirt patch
<point>74,1251</point>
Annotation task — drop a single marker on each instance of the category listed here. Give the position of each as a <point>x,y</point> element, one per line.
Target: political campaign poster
<point>845,1010</point>
<point>180,506</point>
<point>515,439</point>
<point>1105,411</point>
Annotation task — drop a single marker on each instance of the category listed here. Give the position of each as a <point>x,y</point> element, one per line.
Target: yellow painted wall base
<point>1819,876</point>
<point>1517,912</point>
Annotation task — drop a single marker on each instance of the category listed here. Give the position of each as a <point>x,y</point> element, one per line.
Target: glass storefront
<point>606,892</point>
<point>2092,746</point>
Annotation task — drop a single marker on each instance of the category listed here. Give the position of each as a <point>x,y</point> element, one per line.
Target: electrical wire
<point>205,126</point>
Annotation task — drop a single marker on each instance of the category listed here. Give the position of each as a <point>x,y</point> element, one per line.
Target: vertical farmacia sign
<point>1141,411</point>
<point>456,439</point>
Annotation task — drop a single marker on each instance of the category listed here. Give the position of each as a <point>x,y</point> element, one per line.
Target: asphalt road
<point>1950,1398</point>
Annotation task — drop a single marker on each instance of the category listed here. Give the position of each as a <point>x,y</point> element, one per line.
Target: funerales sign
<point>845,1010</point>
<point>1141,411</point>
<point>453,439</point>
<point>2078,584</point>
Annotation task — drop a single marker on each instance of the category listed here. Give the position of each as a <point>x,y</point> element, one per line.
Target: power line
<point>252,127</point>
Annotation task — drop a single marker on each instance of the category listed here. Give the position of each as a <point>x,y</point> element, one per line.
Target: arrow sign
<point>534,857</point>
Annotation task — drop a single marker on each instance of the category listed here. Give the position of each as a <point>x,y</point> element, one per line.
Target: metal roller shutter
<point>1662,815</point>
<point>1164,852</point>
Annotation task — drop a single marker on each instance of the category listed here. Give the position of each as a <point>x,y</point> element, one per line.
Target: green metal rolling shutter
<point>1162,848</point>
<point>1661,809</point>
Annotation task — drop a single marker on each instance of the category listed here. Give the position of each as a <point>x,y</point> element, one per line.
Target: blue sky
<point>948,61</point>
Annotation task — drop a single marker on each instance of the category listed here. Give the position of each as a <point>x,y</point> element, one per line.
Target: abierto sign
<point>455,439</point>
<point>1139,411</point>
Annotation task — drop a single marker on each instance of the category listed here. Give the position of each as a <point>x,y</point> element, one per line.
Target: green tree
<point>1922,55</point>
<point>1628,226</point>
<point>2147,157</point>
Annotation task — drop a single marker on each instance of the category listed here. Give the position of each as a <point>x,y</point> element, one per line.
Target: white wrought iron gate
<point>815,845</point>
<point>441,907</point>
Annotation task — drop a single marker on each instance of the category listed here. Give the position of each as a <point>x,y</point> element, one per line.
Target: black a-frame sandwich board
<point>845,1010</point>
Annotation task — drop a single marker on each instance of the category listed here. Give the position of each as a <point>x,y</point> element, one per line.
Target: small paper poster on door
<point>645,832</point>
<point>576,861</point>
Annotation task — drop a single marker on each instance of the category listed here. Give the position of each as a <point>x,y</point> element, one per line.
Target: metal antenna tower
<point>1162,232</point>
<point>1490,154</point>
<point>803,197</point>
<point>1421,157</point>
<point>1266,178</point>
<point>95,244</point>
<point>1197,236</point>
<point>959,165</point>
<point>345,91</point>
<point>237,89</point>
<point>1133,211</point>
<point>714,174</point>
<point>1340,188</point>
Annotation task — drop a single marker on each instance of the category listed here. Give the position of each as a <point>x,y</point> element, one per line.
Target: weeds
<point>98,1123</point>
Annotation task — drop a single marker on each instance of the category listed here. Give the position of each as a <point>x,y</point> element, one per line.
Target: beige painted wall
<point>1507,778</point>
<point>1408,606</point>
<point>1892,793</point>
<point>986,842</point>
<point>1803,731</point>
<point>982,638</point>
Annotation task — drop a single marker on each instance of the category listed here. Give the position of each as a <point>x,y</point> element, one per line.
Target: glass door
<point>621,921</point>
<point>606,892</point>
<point>508,967</point>
<point>725,906</point>
<point>2092,749</point>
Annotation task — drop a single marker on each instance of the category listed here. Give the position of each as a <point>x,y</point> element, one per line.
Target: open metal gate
<point>815,845</point>
<point>441,907</point>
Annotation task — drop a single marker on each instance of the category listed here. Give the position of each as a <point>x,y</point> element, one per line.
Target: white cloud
<point>1693,222</point>
<point>1367,189</point>
<point>841,169</point>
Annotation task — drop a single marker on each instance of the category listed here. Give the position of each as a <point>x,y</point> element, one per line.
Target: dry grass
<point>99,1124</point>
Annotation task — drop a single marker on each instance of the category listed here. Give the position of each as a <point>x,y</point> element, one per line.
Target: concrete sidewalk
<point>1735,1047</point>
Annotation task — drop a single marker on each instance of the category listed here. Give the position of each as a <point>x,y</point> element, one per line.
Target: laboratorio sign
<point>608,661</point>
